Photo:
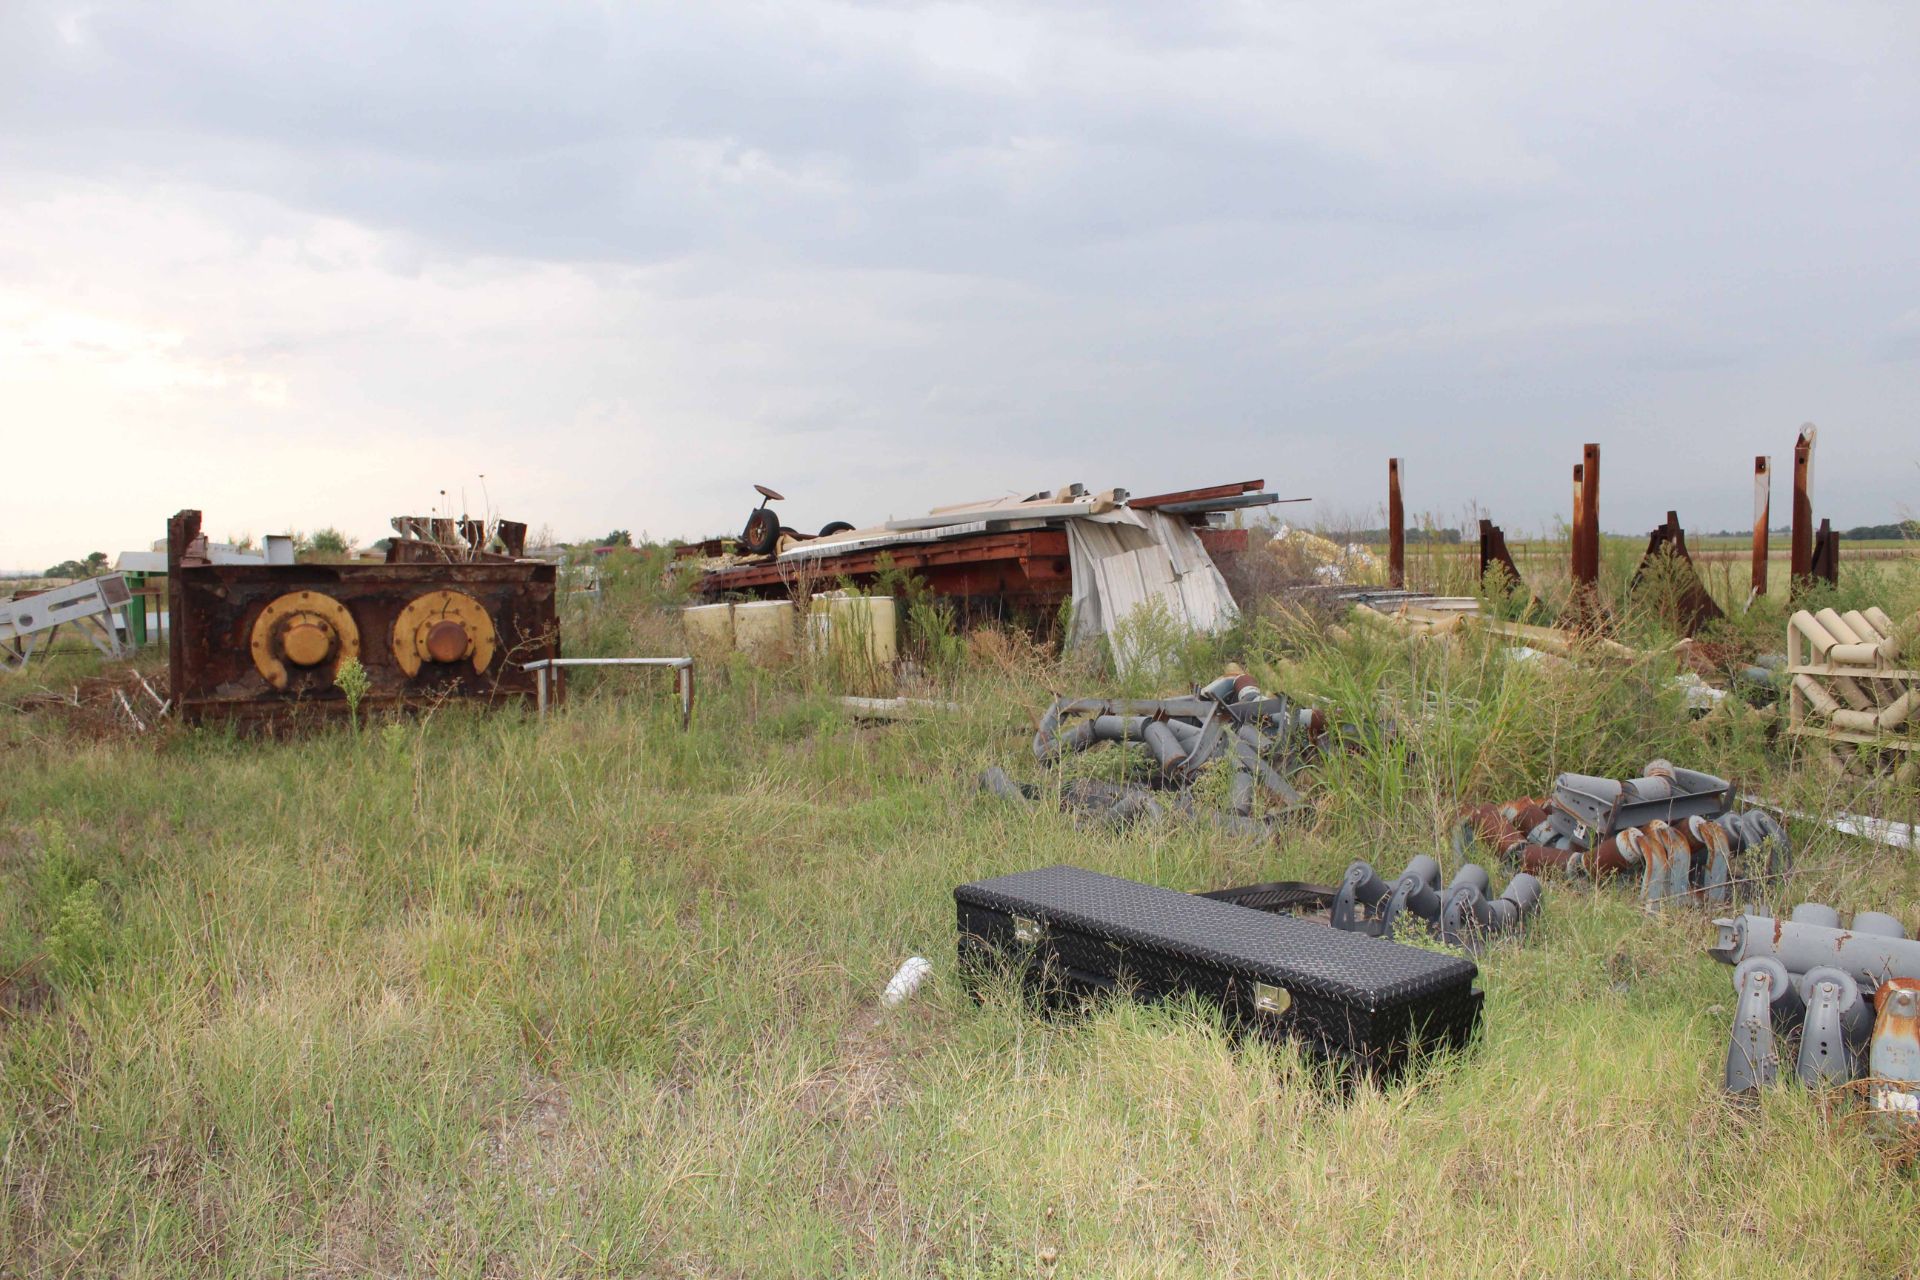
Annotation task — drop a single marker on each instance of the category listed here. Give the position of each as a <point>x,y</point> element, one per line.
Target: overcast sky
<point>303,265</point>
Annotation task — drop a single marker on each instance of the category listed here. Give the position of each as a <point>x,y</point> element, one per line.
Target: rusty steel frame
<point>213,608</point>
<point>1396,528</point>
<point>1762,513</point>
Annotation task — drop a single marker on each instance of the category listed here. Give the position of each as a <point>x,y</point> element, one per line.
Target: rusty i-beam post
<point>1396,528</point>
<point>1576,558</point>
<point>1800,561</point>
<point>1762,512</point>
<point>1590,511</point>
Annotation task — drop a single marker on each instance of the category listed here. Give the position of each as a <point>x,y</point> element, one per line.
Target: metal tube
<point>1867,958</point>
<point>1762,511</point>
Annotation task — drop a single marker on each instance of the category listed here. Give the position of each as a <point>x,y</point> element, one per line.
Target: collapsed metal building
<point>455,613</point>
<point>1014,559</point>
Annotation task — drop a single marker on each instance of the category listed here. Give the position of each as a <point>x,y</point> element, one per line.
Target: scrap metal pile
<point>1230,725</point>
<point>1462,914</point>
<point>1673,828</point>
<point>1013,559</point>
<point>1807,974</point>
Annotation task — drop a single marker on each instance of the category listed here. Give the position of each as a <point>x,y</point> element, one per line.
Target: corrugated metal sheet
<point>1125,560</point>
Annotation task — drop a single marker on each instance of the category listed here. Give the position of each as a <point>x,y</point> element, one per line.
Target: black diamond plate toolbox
<point>1350,999</point>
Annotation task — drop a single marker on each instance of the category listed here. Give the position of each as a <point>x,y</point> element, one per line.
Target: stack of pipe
<point>1463,914</point>
<point>1670,828</point>
<point>1860,691</point>
<point>1808,974</point>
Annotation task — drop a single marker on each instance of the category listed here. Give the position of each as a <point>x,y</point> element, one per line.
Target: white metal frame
<point>547,676</point>
<point>87,606</point>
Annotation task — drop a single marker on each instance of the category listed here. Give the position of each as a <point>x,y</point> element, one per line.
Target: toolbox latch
<point>1271,1000</point>
<point>1027,930</point>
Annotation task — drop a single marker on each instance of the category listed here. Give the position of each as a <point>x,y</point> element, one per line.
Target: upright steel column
<point>1576,557</point>
<point>1800,566</point>
<point>1396,528</point>
<point>1590,510</point>
<point>1762,513</point>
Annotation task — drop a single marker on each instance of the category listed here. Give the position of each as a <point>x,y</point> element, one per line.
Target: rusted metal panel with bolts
<point>261,644</point>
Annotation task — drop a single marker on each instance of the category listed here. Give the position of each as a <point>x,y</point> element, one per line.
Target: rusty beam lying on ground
<point>262,644</point>
<point>1691,606</point>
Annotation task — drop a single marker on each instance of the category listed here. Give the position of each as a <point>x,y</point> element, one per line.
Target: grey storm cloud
<point>924,250</point>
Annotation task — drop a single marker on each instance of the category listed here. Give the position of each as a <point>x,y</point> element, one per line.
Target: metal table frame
<point>547,676</point>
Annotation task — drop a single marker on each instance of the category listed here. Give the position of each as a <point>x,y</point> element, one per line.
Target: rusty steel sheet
<point>1692,606</point>
<point>1493,551</point>
<point>261,645</point>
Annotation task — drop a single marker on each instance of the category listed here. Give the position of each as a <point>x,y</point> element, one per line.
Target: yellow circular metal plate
<point>428,625</point>
<point>304,628</point>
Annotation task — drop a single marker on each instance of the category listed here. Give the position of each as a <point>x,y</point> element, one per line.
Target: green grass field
<point>481,995</point>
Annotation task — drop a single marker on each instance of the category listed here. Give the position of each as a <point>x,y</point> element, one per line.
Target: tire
<point>834,526</point>
<point>762,533</point>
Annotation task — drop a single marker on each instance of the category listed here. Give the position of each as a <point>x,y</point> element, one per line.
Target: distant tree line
<point>1859,533</point>
<point>1866,532</point>
<point>96,562</point>
<point>1446,537</point>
